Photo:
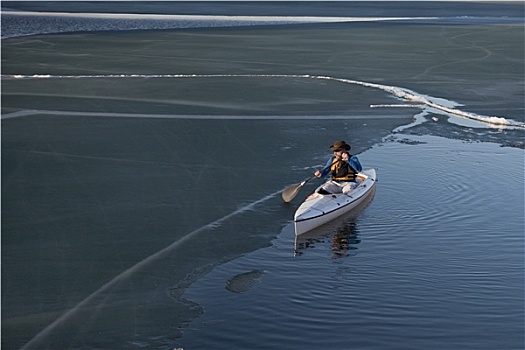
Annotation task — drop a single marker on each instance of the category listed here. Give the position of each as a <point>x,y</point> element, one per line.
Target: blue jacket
<point>353,162</point>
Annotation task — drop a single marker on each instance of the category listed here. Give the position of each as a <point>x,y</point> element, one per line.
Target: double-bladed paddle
<point>290,192</point>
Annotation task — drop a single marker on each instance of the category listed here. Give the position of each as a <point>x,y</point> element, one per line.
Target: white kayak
<point>318,209</point>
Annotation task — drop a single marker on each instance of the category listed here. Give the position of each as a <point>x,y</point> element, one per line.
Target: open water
<point>142,170</point>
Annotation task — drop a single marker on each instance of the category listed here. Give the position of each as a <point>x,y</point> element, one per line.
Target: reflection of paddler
<point>342,166</point>
<point>342,239</point>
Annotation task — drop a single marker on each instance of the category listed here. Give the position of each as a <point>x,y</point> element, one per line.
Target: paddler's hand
<point>344,157</point>
<point>317,173</point>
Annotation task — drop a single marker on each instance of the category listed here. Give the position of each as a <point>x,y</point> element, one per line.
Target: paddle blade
<point>362,177</point>
<point>290,192</point>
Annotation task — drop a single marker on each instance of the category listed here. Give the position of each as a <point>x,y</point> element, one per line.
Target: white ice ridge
<point>141,264</point>
<point>236,18</point>
<point>438,104</point>
<point>432,102</point>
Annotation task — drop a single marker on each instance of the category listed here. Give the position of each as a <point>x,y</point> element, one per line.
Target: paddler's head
<point>339,146</point>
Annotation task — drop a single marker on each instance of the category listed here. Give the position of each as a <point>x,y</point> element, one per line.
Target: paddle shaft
<point>291,191</point>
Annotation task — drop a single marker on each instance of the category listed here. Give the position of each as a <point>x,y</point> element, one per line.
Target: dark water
<point>409,272</point>
<point>142,171</point>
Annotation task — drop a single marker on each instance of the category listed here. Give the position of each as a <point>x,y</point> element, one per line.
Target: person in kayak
<point>343,168</point>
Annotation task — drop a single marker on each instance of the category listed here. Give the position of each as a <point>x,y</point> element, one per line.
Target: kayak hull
<point>318,209</point>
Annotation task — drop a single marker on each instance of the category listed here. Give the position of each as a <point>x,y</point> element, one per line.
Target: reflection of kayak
<point>319,209</point>
<point>342,231</point>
